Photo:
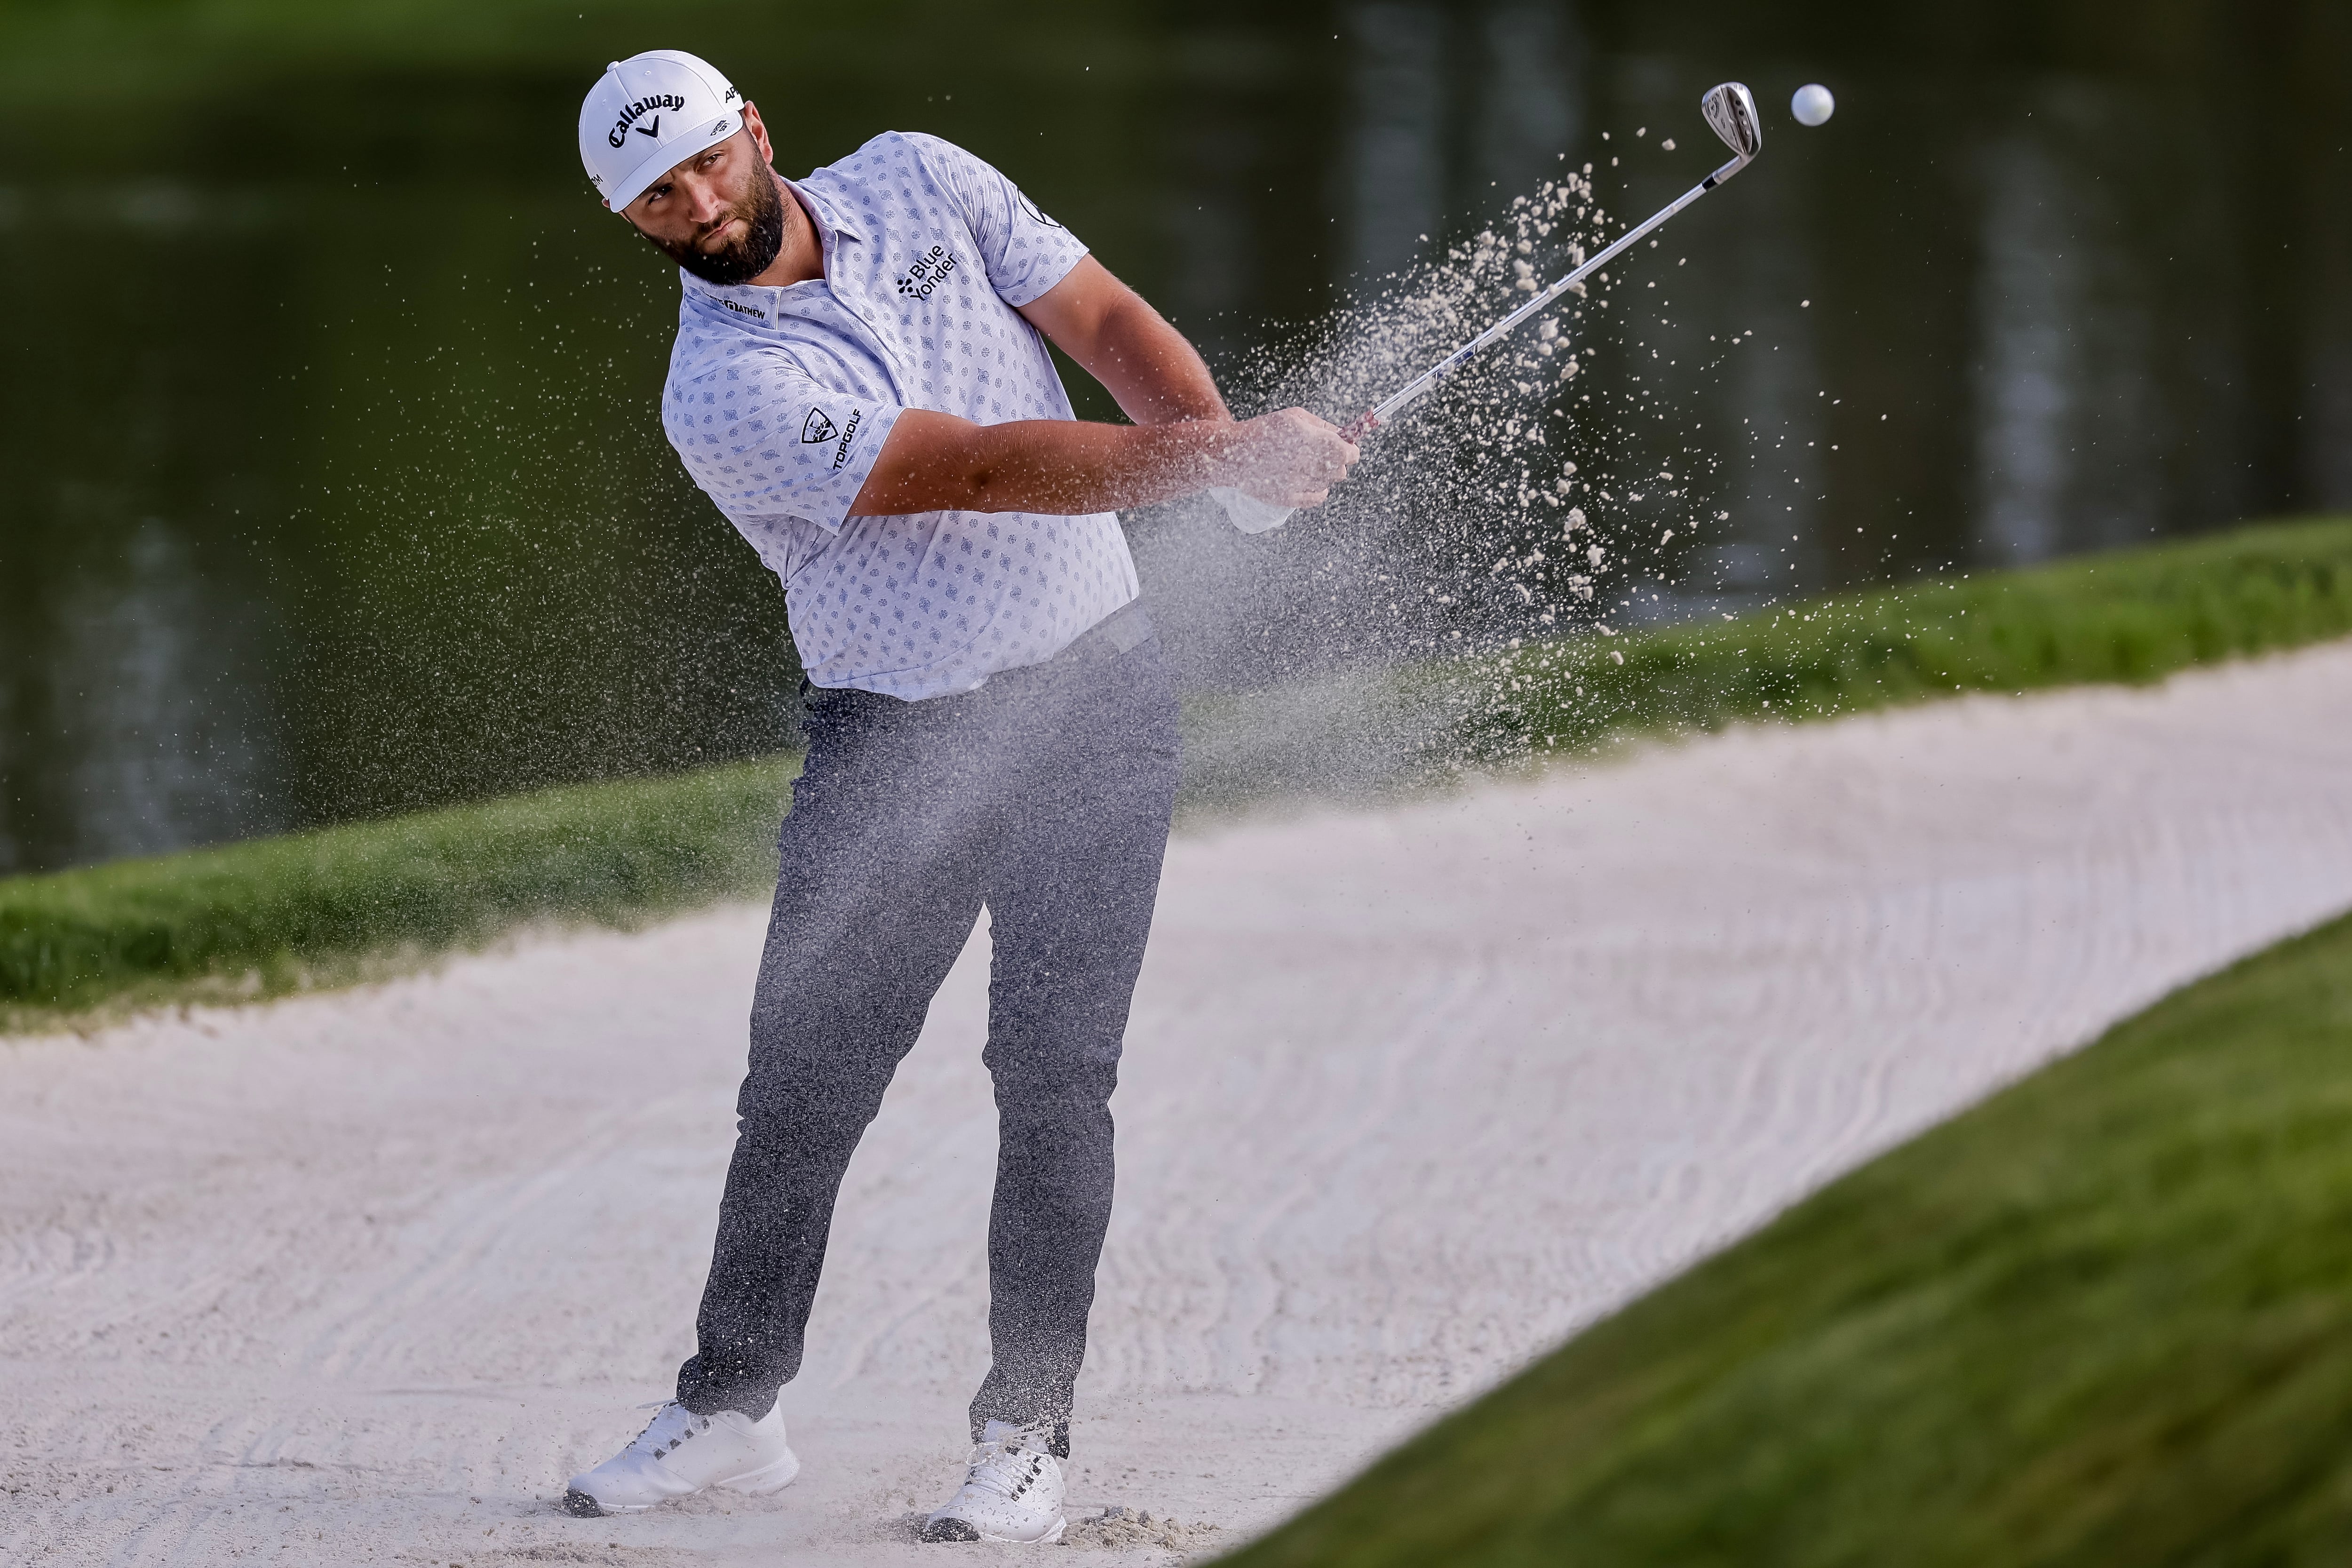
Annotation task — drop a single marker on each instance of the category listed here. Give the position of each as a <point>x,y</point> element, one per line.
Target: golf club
<point>1730,111</point>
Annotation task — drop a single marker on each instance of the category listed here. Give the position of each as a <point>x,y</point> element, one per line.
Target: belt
<point>1122,631</point>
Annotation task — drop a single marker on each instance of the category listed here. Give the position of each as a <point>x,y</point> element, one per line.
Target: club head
<point>1730,109</point>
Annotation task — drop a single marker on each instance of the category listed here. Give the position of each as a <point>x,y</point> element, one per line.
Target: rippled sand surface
<point>1410,1095</point>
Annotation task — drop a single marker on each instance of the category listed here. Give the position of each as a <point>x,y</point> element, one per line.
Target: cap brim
<point>668,155</point>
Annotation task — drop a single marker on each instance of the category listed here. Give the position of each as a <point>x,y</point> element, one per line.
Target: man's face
<point>718,214</point>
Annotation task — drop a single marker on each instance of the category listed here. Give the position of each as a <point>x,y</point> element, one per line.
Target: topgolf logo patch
<point>848,434</point>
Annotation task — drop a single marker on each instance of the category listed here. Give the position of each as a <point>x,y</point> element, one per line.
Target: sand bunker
<point>1410,1096</point>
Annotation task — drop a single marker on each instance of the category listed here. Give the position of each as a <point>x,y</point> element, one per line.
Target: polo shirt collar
<point>834,222</point>
<point>832,217</point>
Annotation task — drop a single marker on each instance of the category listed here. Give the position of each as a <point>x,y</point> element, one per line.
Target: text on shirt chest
<point>928,272</point>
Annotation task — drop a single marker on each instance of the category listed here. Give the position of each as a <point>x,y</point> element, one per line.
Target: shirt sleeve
<point>1025,252</point>
<point>763,439</point>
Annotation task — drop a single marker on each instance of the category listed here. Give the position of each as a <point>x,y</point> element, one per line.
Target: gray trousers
<point>1046,796</point>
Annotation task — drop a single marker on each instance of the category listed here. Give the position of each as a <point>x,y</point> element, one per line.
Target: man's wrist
<point>1198,453</point>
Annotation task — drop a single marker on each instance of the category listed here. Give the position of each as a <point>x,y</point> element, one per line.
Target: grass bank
<point>2101,1319</point>
<point>2131,616</point>
<point>265,917</point>
<point>279,915</point>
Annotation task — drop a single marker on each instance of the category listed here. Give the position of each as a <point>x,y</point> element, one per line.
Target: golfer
<point>861,382</point>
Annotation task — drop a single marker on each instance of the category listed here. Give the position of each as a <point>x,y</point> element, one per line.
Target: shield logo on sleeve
<point>817,427</point>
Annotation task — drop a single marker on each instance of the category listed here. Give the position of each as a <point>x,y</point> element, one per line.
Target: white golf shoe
<point>680,1454</point>
<point>1013,1493</point>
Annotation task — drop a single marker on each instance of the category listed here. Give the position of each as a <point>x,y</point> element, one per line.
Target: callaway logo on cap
<point>649,113</point>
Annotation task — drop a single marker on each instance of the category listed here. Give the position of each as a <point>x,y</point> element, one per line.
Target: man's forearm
<point>935,462</point>
<point>1151,368</point>
<point>1183,439</point>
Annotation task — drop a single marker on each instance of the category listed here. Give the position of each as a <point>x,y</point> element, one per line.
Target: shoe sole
<point>1048,1539</point>
<point>760,1482</point>
<point>580,1505</point>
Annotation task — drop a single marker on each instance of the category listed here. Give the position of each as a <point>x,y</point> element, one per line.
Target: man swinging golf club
<point>861,382</point>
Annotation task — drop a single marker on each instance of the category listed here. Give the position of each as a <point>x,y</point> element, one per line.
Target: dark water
<point>334,486</point>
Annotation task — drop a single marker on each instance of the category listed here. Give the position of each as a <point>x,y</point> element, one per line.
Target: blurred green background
<point>335,487</point>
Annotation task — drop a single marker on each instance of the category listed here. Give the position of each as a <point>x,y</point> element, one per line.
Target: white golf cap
<point>648,114</point>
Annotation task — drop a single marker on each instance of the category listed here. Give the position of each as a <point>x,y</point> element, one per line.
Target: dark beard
<point>763,213</point>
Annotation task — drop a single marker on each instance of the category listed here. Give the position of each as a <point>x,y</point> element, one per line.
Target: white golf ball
<point>1812,105</point>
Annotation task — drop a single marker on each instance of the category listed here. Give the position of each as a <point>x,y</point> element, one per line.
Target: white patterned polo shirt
<point>779,399</point>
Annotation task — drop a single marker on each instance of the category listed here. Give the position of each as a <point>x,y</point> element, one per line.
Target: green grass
<point>267,916</point>
<point>2129,615</point>
<point>2104,1319</point>
<point>278,914</point>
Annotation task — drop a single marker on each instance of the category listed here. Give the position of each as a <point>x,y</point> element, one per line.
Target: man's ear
<point>759,130</point>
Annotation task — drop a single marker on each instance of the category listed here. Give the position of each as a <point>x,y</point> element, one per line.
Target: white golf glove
<point>1246,512</point>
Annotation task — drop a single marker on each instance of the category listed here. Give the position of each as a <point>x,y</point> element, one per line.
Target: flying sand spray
<point>1730,111</point>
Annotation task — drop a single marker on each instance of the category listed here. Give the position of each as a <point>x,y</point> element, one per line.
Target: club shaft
<point>1415,389</point>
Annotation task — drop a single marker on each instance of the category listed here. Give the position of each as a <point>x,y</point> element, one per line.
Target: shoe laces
<point>686,1424</point>
<point>1006,1467</point>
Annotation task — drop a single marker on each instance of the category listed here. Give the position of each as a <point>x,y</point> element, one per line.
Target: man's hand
<point>1288,459</point>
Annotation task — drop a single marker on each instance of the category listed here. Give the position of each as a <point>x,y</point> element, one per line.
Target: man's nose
<point>706,204</point>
